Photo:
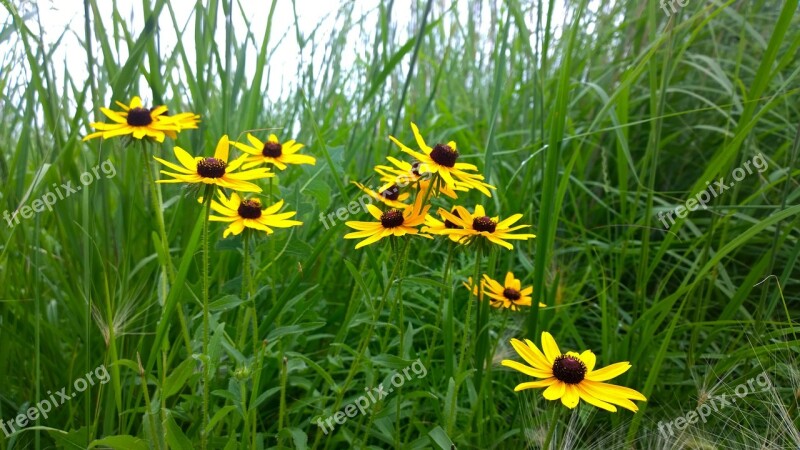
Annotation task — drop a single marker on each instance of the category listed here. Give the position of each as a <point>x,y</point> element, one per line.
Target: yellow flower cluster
<point>434,171</point>
<point>217,170</point>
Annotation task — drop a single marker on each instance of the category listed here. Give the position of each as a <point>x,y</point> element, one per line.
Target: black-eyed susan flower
<point>214,170</point>
<point>404,173</point>
<point>272,152</point>
<point>442,159</point>
<point>571,377</point>
<point>247,213</point>
<point>141,122</point>
<point>507,295</point>
<point>389,195</point>
<point>393,222</point>
<point>473,225</point>
<point>434,226</point>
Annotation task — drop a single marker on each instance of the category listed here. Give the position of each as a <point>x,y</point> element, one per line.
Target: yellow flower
<point>273,152</point>
<point>390,195</point>
<point>247,213</point>
<point>434,226</point>
<point>141,122</point>
<point>507,295</point>
<point>394,222</point>
<point>470,226</point>
<point>405,173</point>
<point>442,159</point>
<point>214,170</point>
<point>571,376</point>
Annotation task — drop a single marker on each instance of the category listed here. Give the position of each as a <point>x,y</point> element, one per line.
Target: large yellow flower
<point>273,152</point>
<point>394,222</point>
<point>441,159</point>
<point>471,225</point>
<point>141,122</point>
<point>571,376</point>
<point>215,170</point>
<point>507,295</point>
<point>247,213</point>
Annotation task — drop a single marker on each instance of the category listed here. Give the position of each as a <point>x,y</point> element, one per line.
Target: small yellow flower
<point>442,159</point>
<point>394,222</point>
<point>507,295</point>
<point>404,173</point>
<point>141,123</point>
<point>215,170</point>
<point>273,152</point>
<point>390,195</point>
<point>247,213</point>
<point>571,377</point>
<point>469,226</point>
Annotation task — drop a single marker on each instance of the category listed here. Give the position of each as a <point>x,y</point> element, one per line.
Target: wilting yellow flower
<point>215,170</point>
<point>391,195</point>
<point>434,226</point>
<point>394,222</point>
<point>405,173</point>
<point>571,376</point>
<point>141,122</point>
<point>507,295</point>
<point>273,152</point>
<point>442,159</point>
<point>469,226</point>
<point>247,213</point>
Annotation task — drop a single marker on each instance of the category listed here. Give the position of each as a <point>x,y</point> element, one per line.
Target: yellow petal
<point>550,347</point>
<point>223,147</point>
<point>571,397</point>
<point>555,391</point>
<point>608,372</point>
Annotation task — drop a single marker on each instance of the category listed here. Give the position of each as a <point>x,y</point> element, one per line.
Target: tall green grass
<point>589,120</point>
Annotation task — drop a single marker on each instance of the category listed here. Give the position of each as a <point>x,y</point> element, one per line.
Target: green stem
<point>551,431</point>
<point>209,194</point>
<point>477,295</point>
<point>167,269</point>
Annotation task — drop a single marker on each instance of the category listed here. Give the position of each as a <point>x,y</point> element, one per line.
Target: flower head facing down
<point>272,152</point>
<point>393,222</point>
<point>213,170</point>
<point>443,159</point>
<point>389,195</point>
<point>141,122</point>
<point>571,377</point>
<point>468,226</point>
<point>247,213</point>
<point>508,295</point>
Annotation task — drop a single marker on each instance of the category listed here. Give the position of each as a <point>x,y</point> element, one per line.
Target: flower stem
<point>477,294</point>
<point>551,431</point>
<point>209,194</point>
<point>167,269</point>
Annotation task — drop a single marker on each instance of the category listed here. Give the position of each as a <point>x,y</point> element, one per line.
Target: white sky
<point>70,55</point>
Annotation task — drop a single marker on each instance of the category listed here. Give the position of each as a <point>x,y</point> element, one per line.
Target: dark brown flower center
<point>272,149</point>
<point>250,209</point>
<point>211,168</point>
<point>569,369</point>
<point>139,117</point>
<point>391,193</point>
<point>511,294</point>
<point>392,218</point>
<point>451,225</point>
<point>484,224</point>
<point>444,155</point>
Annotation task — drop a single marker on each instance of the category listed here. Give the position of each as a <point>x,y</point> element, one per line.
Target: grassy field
<point>610,128</point>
